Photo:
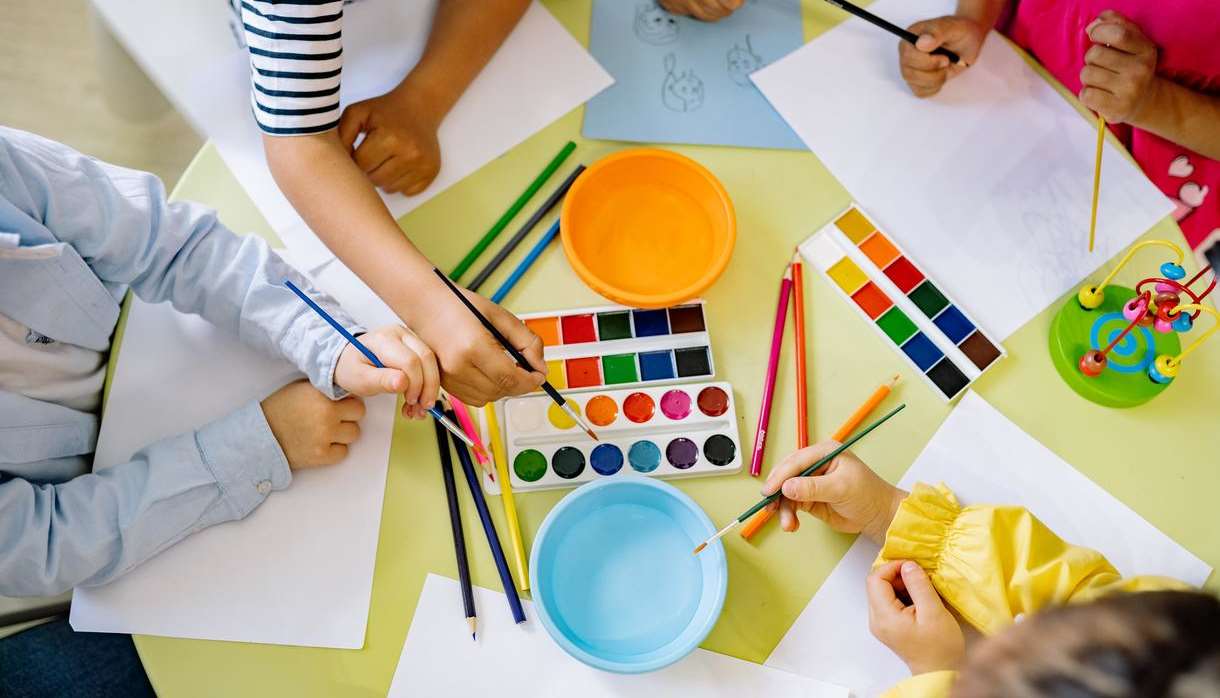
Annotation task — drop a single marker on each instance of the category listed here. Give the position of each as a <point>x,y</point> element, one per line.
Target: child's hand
<point>845,494</point>
<point>926,74</point>
<point>474,367</point>
<point>706,10</point>
<point>410,369</point>
<point>400,151</point>
<point>311,429</point>
<point>1119,75</point>
<point>923,634</point>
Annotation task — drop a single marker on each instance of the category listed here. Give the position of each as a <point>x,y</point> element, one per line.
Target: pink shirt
<point>1187,32</point>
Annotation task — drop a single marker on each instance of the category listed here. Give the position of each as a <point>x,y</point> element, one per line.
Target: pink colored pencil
<point>777,342</point>
<point>463,417</point>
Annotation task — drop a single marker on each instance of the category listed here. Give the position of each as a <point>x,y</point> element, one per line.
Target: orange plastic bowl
<point>648,228</point>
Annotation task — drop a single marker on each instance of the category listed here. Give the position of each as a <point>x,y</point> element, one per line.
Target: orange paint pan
<point>648,228</point>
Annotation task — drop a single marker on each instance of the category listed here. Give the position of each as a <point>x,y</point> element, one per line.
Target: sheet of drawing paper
<point>985,459</point>
<point>988,184</point>
<point>296,571</point>
<point>539,74</point>
<point>522,660</point>
<point>680,80</point>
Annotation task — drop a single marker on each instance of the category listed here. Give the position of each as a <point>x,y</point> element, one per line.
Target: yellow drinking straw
<point>1101,140</point>
<point>506,496</point>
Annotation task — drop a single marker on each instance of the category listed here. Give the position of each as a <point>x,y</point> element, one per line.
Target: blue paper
<point>680,80</point>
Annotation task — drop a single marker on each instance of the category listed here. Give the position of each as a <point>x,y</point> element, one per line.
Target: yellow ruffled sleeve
<point>934,684</point>
<point>994,563</point>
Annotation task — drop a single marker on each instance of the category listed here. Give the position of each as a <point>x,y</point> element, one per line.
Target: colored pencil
<point>506,498</point>
<point>777,341</point>
<point>821,462</point>
<point>436,413</point>
<point>467,423</point>
<point>517,356</point>
<point>1101,141</point>
<point>455,525</point>
<point>892,28</point>
<point>502,223</point>
<point>798,327</point>
<point>555,197</point>
<point>526,263</point>
<point>862,412</point>
<point>489,529</point>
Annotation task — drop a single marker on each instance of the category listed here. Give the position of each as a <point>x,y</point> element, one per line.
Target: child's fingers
<point>787,516</point>
<point>1119,33</point>
<point>430,373</point>
<point>1108,58</point>
<point>924,82</point>
<point>919,588</point>
<point>345,433</point>
<point>882,601</point>
<point>350,409</point>
<point>373,152</point>
<point>1100,101</point>
<point>795,463</point>
<point>1101,78</point>
<point>351,123</point>
<point>815,488</point>
<point>911,57</point>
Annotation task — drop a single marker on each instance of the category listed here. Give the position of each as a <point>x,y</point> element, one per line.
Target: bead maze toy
<point>1121,347</point>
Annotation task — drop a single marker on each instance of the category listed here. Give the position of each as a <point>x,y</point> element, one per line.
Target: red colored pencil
<point>777,341</point>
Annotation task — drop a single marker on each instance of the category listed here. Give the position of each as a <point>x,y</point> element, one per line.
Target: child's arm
<point>96,527</point>
<point>400,152</point>
<point>1121,84</point>
<point>296,67</point>
<point>995,563</point>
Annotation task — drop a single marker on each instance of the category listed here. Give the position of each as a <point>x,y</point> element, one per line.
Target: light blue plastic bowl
<point>614,580</point>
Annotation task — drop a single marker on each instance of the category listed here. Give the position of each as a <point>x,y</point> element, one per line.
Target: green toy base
<point>1070,339</point>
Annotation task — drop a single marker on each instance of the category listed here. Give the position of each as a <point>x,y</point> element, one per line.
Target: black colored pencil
<point>555,197</point>
<point>455,523</point>
<point>489,528</point>
<point>891,28</point>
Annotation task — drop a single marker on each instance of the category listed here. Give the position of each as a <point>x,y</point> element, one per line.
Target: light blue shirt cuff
<point>244,458</point>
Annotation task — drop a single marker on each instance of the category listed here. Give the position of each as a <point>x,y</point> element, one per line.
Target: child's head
<point>1164,643</point>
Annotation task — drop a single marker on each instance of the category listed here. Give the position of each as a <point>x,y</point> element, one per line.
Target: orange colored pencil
<point>764,515</point>
<point>798,312</point>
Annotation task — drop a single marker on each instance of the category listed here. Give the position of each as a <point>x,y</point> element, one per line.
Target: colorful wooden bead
<point>1166,297</point>
<point>1165,288</point>
<point>1092,363</point>
<point>1183,323</point>
<point>1090,297</point>
<point>1163,370</point>
<point>1162,326</point>
<point>1169,270</point>
<point>1135,308</point>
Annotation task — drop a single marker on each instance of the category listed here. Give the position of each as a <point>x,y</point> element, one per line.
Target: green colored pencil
<point>512,211</point>
<point>804,473</point>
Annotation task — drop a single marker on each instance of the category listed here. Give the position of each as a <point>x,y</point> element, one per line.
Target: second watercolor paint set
<point>641,377</point>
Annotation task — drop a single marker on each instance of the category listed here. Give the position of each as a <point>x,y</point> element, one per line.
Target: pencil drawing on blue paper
<point>680,80</point>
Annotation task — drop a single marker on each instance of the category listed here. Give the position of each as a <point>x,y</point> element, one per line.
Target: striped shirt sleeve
<point>296,58</point>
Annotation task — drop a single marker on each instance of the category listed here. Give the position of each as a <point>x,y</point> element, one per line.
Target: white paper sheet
<point>539,74</point>
<point>296,571</point>
<point>984,458</point>
<point>988,184</point>
<point>439,659</point>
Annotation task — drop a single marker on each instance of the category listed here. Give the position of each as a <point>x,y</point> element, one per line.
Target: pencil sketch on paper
<point>741,62</point>
<point>680,92</point>
<point>654,25</point>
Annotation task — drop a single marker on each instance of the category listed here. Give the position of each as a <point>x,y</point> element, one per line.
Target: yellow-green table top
<point>1161,459</point>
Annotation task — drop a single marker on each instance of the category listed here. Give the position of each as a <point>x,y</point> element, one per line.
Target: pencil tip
<point>894,381</point>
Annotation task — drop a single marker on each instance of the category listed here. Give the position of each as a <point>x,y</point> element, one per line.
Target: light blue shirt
<point>99,230</point>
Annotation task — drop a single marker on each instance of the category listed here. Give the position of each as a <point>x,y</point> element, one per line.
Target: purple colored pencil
<point>777,342</point>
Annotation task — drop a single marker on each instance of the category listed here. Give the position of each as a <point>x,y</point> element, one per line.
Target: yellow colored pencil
<point>1101,141</point>
<point>506,497</point>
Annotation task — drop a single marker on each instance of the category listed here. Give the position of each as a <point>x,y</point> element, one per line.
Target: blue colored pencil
<point>525,263</point>
<point>489,528</point>
<point>368,354</point>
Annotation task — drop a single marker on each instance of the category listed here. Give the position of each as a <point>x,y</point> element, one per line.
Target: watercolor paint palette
<point>617,346</point>
<point>910,311</point>
<point>680,430</point>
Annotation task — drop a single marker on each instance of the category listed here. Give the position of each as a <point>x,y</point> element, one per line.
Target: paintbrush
<point>517,356</point>
<point>804,473</point>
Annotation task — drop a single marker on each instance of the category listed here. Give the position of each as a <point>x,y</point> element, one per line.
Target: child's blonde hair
<point>1153,644</point>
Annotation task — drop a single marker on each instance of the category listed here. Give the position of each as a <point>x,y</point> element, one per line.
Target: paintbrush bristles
<point>718,536</point>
